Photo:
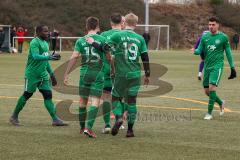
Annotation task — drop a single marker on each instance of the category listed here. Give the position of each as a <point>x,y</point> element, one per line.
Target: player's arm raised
<point>103,48</point>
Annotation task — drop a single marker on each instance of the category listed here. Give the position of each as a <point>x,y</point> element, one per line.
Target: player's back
<point>128,48</point>
<point>92,59</point>
<point>107,35</point>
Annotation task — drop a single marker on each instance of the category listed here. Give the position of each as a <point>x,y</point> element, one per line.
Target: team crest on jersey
<point>217,41</point>
<point>211,47</point>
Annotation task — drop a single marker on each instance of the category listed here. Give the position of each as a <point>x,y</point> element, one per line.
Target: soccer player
<point>91,75</point>
<point>117,24</point>
<point>128,46</point>
<point>214,43</point>
<point>36,76</point>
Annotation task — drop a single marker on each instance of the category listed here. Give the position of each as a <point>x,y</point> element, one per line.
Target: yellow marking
<point>145,106</point>
<point>194,101</point>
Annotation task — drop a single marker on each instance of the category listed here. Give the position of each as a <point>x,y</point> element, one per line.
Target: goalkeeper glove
<point>54,80</point>
<point>233,74</point>
<point>55,56</point>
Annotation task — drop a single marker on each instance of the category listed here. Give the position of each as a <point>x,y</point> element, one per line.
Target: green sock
<point>20,104</point>
<point>218,100</point>
<point>212,99</point>
<point>132,112</point>
<point>50,107</point>
<point>82,117</point>
<point>106,112</point>
<point>92,113</point>
<point>117,108</point>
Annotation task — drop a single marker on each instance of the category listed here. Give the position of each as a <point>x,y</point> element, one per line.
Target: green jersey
<point>37,64</point>
<point>92,59</point>
<point>128,47</point>
<point>107,35</point>
<point>214,46</point>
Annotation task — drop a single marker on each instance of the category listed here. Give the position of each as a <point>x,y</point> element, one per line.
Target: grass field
<point>177,131</point>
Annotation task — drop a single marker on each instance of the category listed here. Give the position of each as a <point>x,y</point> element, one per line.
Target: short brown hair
<point>92,23</point>
<point>131,19</point>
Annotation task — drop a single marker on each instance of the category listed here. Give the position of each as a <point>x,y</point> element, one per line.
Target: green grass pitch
<point>177,131</point>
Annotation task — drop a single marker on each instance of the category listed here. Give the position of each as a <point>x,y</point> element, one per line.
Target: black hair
<point>92,23</point>
<point>213,19</point>
<point>116,18</point>
<point>40,28</point>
